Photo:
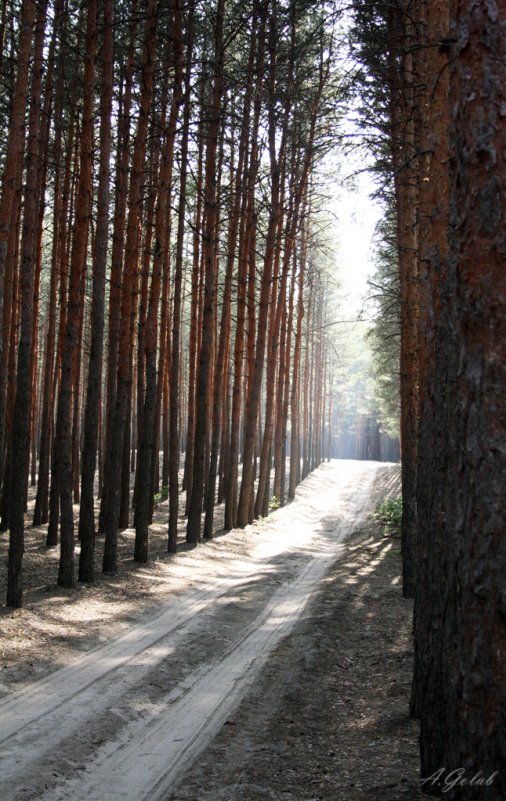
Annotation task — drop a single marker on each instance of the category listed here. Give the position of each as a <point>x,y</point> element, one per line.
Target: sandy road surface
<point>126,721</point>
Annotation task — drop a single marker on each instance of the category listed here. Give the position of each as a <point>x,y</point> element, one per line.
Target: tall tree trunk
<point>295,394</point>
<point>246,227</point>
<point>221,377</point>
<point>431,468</point>
<point>93,394</point>
<point>20,451</point>
<point>405,168</point>
<point>283,398</point>
<point>15,148</point>
<point>464,715</point>
<point>63,431</point>
<point>475,629</point>
<point>130,271</point>
<point>245,510</point>
<point>8,316</point>
<point>124,480</point>
<point>157,182</point>
<point>253,399</point>
<point>174,384</point>
<point>194,312</point>
<point>209,245</point>
<point>275,306</point>
<point>118,243</point>
<point>13,247</point>
<point>306,385</point>
<point>147,442</point>
<point>63,260</point>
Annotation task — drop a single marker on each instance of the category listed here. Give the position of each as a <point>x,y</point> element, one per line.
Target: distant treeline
<point>361,438</point>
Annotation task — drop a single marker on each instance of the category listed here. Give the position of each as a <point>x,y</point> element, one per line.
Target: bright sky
<point>357,216</point>
<point>348,187</point>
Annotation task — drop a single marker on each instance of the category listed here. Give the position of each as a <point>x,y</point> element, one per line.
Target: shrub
<point>388,514</point>
<point>273,504</point>
<point>161,496</point>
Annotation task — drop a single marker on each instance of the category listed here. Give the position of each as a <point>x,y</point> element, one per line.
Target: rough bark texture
<point>194,316</point>
<point>118,242</point>
<point>209,246</point>
<point>175,361</point>
<point>245,235</point>
<point>63,258</point>
<point>22,407</point>
<point>11,183</point>
<point>15,138</point>
<point>128,297</point>
<point>70,356</point>
<point>244,510</point>
<point>93,396</point>
<point>470,719</point>
<point>220,388</point>
<point>428,682</point>
<point>405,163</point>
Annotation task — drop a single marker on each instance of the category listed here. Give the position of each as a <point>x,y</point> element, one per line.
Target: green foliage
<point>385,335</point>
<point>161,496</point>
<point>388,514</point>
<point>375,79</point>
<point>273,504</point>
<point>376,55</point>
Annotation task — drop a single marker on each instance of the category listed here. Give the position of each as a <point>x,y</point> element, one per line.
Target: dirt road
<point>126,721</point>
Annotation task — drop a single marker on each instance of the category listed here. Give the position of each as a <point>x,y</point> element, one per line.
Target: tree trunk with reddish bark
<point>73,322</point>
<point>209,245</point>
<point>93,394</point>
<point>128,297</point>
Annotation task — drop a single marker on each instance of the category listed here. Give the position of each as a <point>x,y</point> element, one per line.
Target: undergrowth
<point>388,514</point>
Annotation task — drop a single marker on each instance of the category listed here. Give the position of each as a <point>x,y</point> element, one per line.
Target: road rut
<point>132,716</point>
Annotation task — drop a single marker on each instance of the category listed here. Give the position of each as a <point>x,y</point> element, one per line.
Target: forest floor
<point>272,663</point>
